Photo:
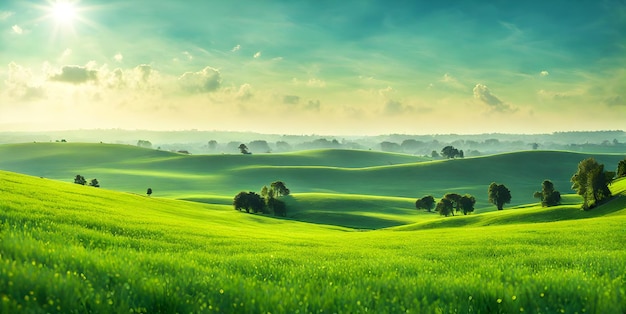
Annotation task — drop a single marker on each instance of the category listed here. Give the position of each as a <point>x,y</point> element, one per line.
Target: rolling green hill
<point>328,185</point>
<point>66,248</point>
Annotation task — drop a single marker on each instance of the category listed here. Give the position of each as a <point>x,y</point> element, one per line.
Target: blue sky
<point>323,67</point>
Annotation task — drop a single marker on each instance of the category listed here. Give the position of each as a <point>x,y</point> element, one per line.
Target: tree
<point>621,168</point>
<point>80,180</point>
<point>279,188</point>
<point>149,192</point>
<point>243,149</point>
<point>548,195</point>
<point>434,154</point>
<point>449,152</point>
<point>427,202</point>
<point>467,203</point>
<point>444,207</point>
<point>499,195</point>
<point>455,199</point>
<point>591,182</point>
<point>94,183</point>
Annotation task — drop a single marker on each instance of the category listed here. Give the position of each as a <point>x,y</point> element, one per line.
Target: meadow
<point>66,248</point>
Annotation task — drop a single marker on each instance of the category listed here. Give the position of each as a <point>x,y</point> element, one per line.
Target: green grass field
<point>67,248</point>
<point>352,241</point>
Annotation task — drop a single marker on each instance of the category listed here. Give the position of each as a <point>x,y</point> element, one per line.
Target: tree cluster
<point>267,202</point>
<point>548,195</point>
<point>81,180</point>
<point>448,204</point>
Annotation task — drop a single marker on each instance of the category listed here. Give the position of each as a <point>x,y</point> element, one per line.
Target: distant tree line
<point>268,202</point>
<point>448,204</point>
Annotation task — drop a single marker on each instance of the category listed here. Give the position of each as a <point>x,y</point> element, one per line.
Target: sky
<point>347,67</point>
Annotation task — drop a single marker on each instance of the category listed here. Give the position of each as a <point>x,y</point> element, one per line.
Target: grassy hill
<point>66,248</point>
<point>355,188</point>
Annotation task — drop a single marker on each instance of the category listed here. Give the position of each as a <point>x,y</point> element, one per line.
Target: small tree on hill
<point>444,207</point>
<point>427,202</point>
<point>450,152</point>
<point>80,180</point>
<point>149,192</point>
<point>591,182</point>
<point>243,149</point>
<point>548,195</point>
<point>499,195</point>
<point>94,183</point>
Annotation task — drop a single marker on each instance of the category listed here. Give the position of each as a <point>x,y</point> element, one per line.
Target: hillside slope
<point>132,169</point>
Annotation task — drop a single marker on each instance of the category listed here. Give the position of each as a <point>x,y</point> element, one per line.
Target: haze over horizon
<point>313,67</point>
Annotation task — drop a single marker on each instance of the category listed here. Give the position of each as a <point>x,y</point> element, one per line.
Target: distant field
<point>66,248</point>
<point>327,185</point>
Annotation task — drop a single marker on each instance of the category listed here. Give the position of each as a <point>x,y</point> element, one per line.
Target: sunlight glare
<point>63,12</point>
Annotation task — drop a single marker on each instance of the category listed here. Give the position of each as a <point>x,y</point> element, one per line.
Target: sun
<point>63,12</point>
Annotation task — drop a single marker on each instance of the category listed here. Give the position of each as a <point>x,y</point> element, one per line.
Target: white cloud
<point>118,57</point>
<point>75,74</point>
<point>236,48</point>
<point>257,55</point>
<point>188,55</point>
<point>482,93</point>
<point>18,30</point>
<point>206,80</point>
<point>544,73</point>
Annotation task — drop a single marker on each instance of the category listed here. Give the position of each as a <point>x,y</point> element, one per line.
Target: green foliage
<point>279,188</point>
<point>499,195</point>
<point>455,199</point>
<point>80,180</point>
<point>129,254</point>
<point>445,207</point>
<point>149,191</point>
<point>427,202</point>
<point>94,183</point>
<point>591,182</point>
<point>243,149</point>
<point>548,195</point>
<point>621,168</point>
<point>451,152</point>
<point>248,201</point>
<point>466,202</point>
